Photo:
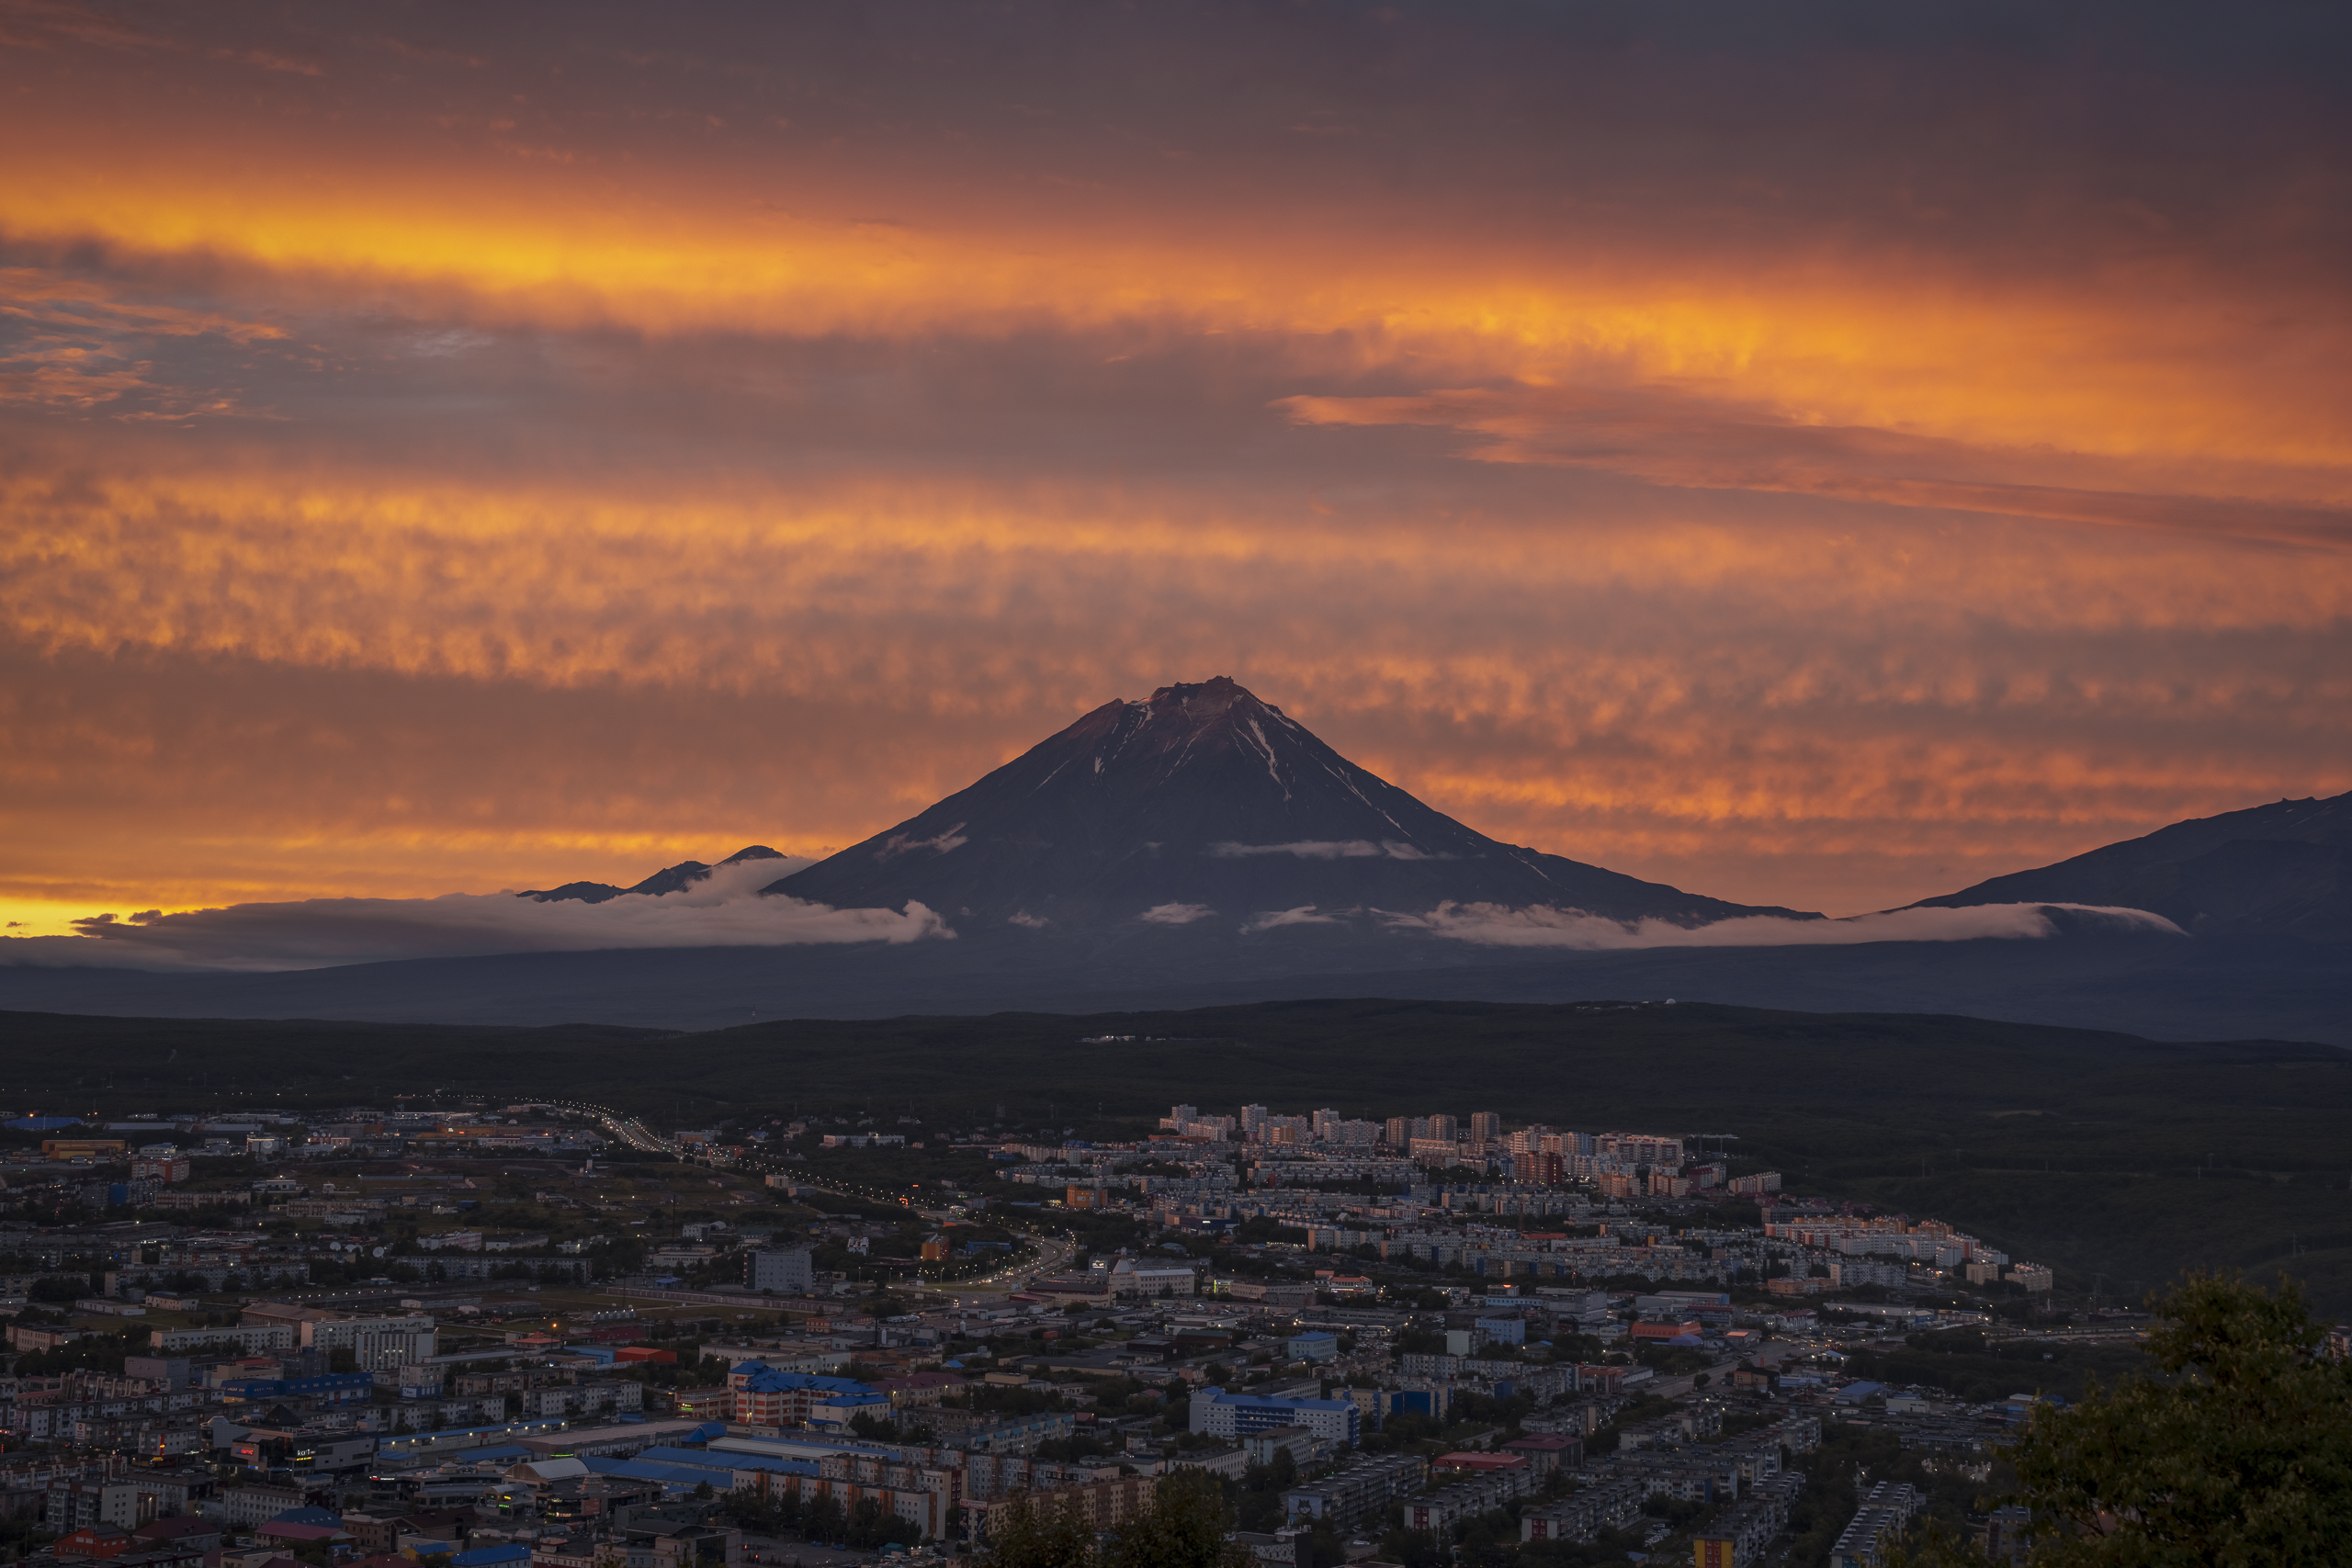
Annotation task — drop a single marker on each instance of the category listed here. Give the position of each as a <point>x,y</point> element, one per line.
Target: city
<point>548,1332</point>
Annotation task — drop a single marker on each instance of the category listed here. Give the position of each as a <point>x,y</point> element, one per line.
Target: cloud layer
<point>1822,460</point>
<point>1305,915</point>
<point>1491,925</point>
<point>724,910</point>
<point>1326,848</point>
<point>727,910</point>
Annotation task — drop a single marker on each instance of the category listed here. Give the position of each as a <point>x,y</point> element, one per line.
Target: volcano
<point>1201,848</point>
<point>1205,802</point>
<point>2282,870</point>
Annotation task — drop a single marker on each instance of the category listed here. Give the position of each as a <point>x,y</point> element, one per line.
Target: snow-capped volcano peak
<point>1202,796</point>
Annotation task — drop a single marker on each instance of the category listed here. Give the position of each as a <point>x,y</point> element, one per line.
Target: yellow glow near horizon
<point>44,917</point>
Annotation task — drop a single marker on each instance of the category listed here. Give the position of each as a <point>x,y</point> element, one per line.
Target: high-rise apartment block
<point>785,1270</point>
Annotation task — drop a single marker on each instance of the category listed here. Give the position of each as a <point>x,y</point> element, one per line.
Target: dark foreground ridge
<point>2154,985</point>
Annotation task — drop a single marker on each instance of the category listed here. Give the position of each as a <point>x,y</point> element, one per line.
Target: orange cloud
<point>1672,436</point>
<point>439,458</point>
<point>1632,691</point>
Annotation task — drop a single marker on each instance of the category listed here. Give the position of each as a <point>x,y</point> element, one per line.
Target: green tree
<point>871,1525</point>
<point>2238,1456</point>
<point>822,1518</point>
<point>1023,1535</point>
<point>881,1428</point>
<point>1185,1528</point>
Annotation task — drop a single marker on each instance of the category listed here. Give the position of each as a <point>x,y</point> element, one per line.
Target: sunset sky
<point>1816,455</point>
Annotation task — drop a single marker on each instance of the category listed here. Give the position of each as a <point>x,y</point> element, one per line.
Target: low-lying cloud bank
<point>1305,915</point>
<point>727,910</point>
<point>1492,925</point>
<point>724,910</point>
<point>1327,849</point>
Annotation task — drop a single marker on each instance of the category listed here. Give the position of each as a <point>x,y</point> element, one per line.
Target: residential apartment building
<point>1222,1414</point>
<point>787,1270</point>
<point>1608,1506</point>
<point>1360,1491</point>
<point>1882,1517</point>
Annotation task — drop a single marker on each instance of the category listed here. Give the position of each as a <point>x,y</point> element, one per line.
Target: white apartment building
<point>377,1344</point>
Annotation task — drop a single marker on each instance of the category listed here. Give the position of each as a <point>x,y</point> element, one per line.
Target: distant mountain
<point>1120,865</point>
<point>668,879</point>
<point>2277,870</point>
<point>1202,801</point>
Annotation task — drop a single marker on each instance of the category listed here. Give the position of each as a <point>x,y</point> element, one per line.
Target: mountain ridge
<point>2281,869</point>
<point>668,879</point>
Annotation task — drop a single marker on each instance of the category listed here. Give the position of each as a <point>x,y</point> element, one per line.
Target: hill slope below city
<point>2093,1150</point>
<point>2159,987</point>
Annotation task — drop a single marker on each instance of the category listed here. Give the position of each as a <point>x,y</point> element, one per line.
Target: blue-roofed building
<point>493,1556</point>
<point>767,1397</point>
<point>731,1463</point>
<point>326,1388</point>
<point>621,1439</point>
<point>808,1445</point>
<point>417,1444</point>
<point>836,1411</point>
<point>673,1479</point>
<point>1218,1413</point>
<point>325,1518</point>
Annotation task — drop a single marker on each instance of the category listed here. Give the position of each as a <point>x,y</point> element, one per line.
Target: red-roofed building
<point>94,1543</point>
<point>1467,1464</point>
<point>1691,1326</point>
<point>1548,1451</point>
